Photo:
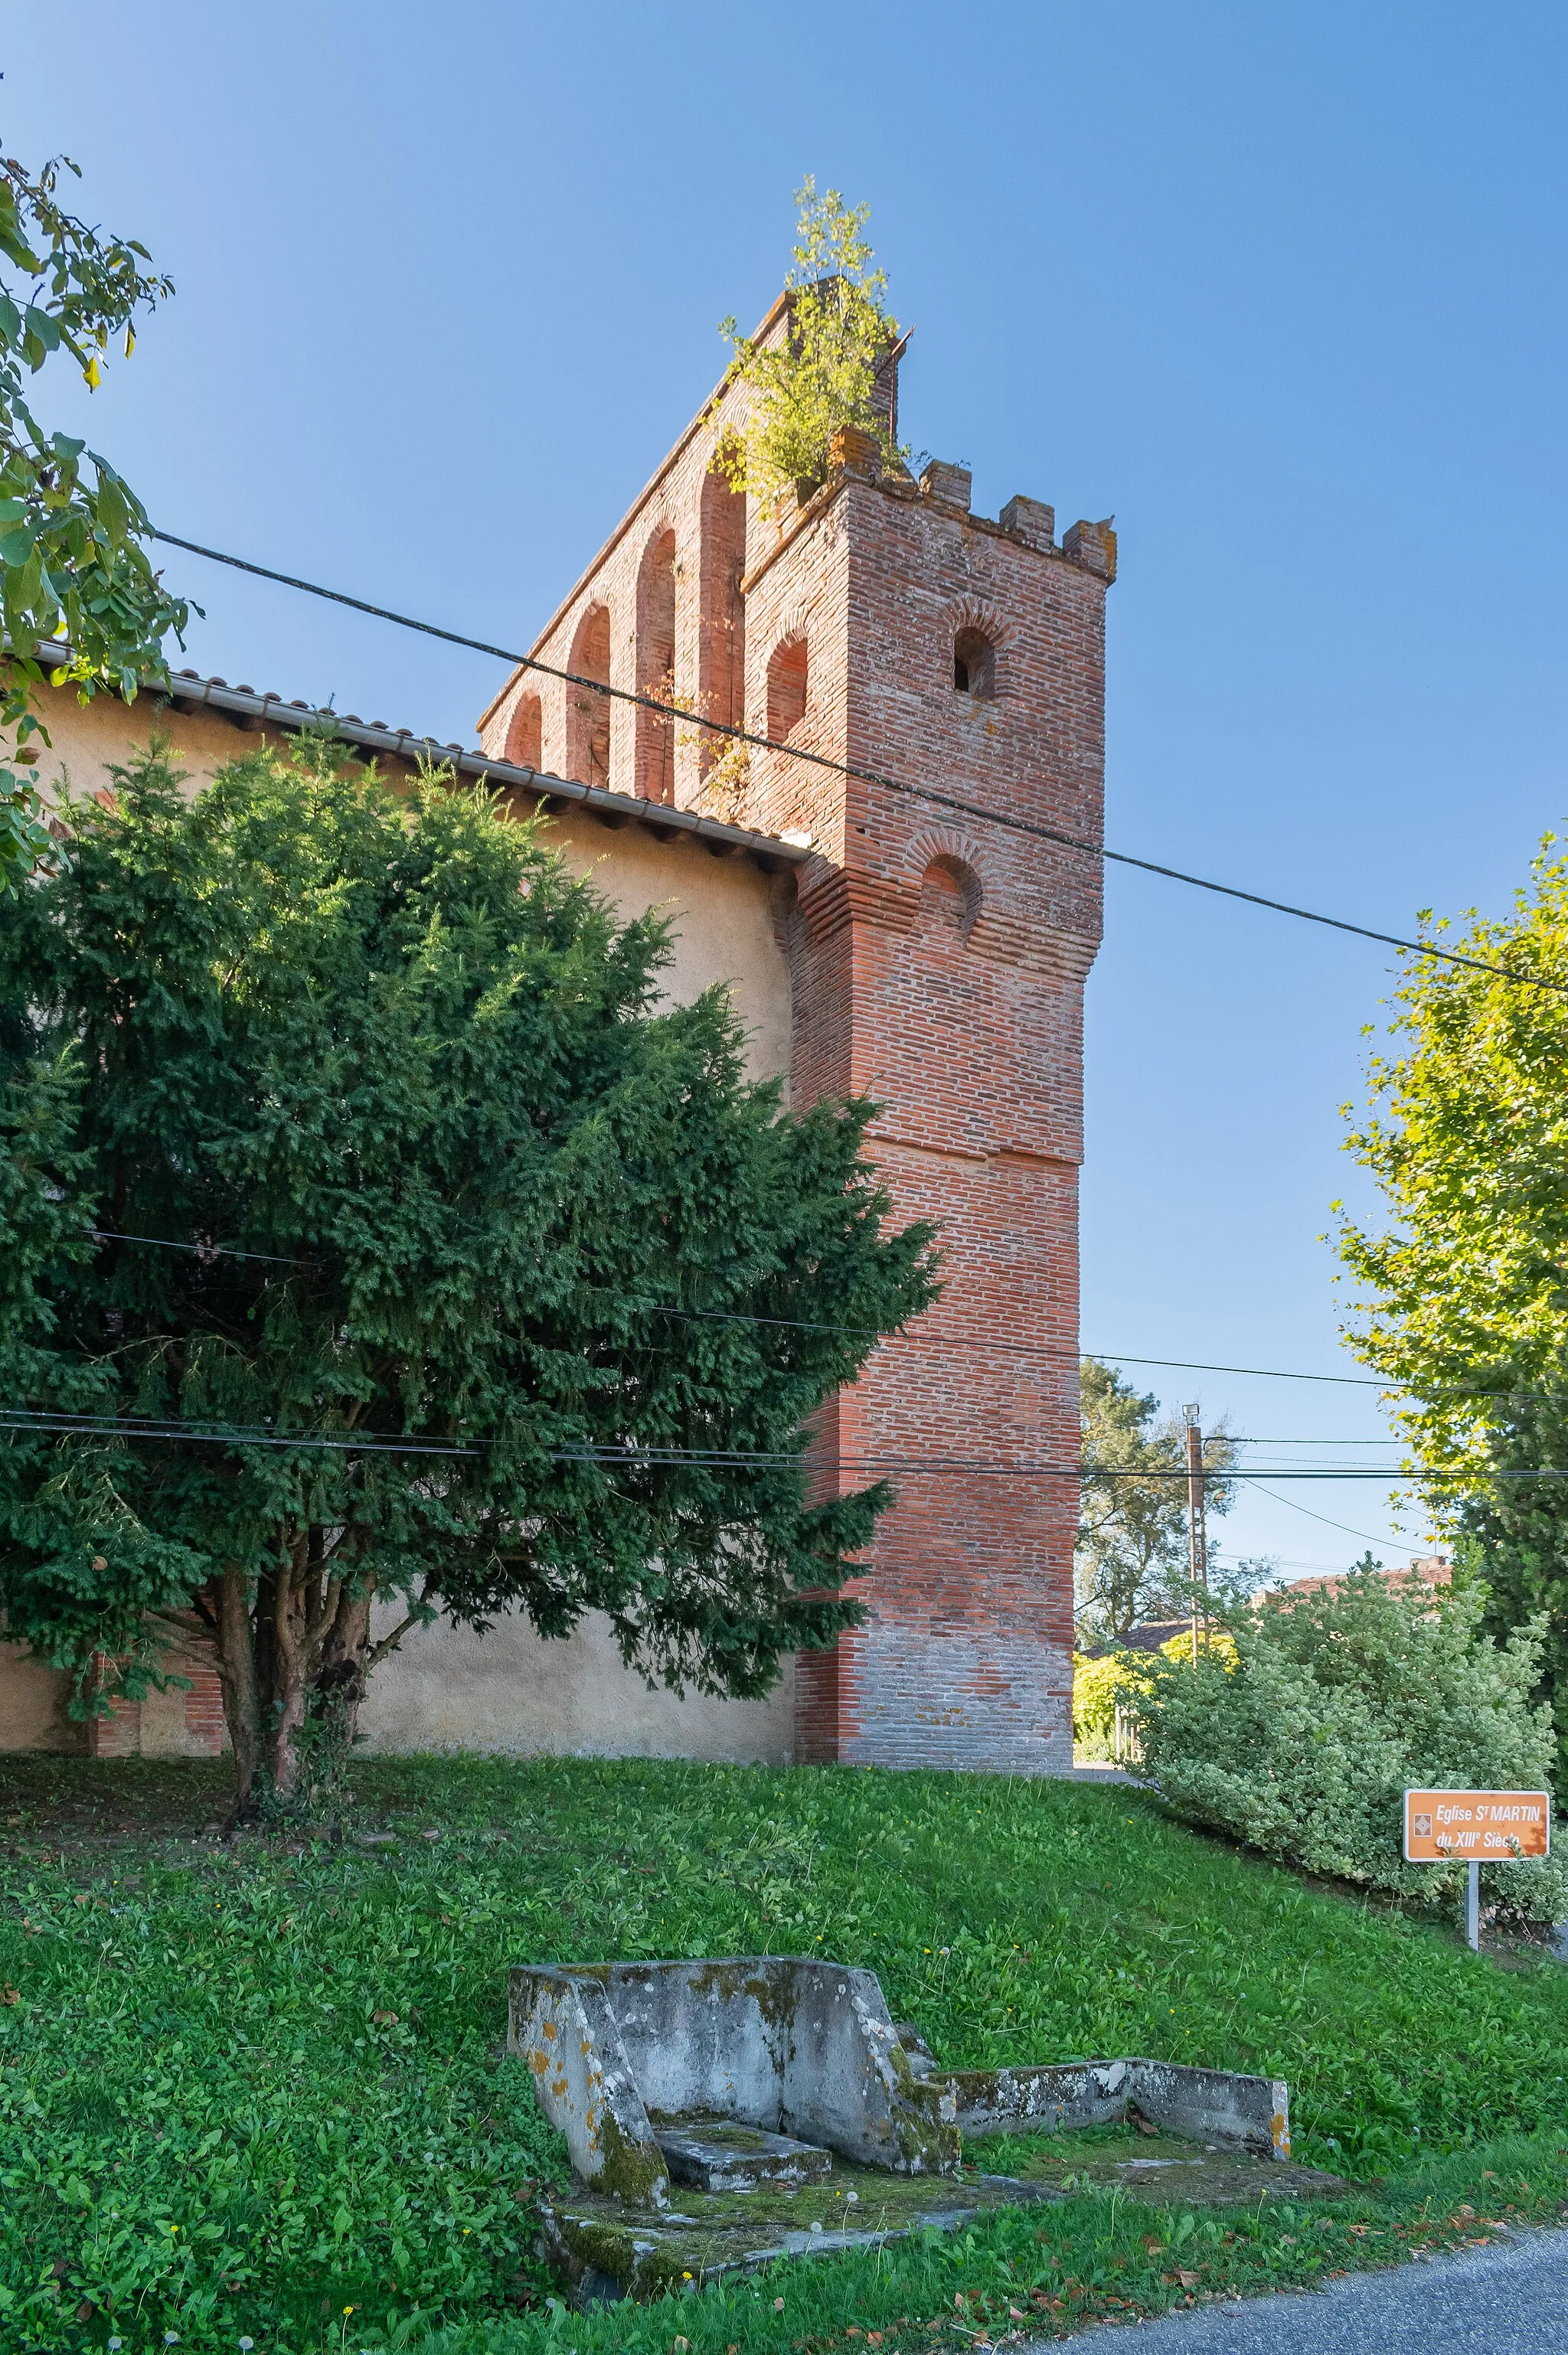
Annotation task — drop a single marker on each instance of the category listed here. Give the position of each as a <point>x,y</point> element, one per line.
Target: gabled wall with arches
<point>882,636</point>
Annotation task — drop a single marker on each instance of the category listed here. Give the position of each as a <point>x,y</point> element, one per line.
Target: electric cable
<point>633,1456</point>
<point>850,769</point>
<point>202,1251</point>
<point>1413,1552</point>
<point>996,1342</point>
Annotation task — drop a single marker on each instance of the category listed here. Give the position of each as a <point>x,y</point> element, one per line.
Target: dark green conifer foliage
<point>393,1043</point>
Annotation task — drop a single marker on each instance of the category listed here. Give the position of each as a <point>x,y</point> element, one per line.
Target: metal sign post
<point>1473,1829</point>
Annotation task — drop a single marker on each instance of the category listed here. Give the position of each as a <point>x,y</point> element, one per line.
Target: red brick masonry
<point>938,961</point>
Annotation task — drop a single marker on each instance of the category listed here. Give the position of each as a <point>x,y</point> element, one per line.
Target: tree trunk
<point>340,1681</point>
<point>290,1669</point>
<point>294,1661</point>
<point>241,1695</point>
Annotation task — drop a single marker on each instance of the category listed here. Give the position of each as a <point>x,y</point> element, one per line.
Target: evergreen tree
<point>469,1229</point>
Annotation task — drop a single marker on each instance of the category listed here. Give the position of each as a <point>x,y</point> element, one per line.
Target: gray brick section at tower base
<point>974,1706</point>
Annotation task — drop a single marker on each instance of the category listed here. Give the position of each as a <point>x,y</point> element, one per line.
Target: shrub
<point>1096,1685</point>
<point>1122,1680</point>
<point>824,375</point>
<point>1334,1706</point>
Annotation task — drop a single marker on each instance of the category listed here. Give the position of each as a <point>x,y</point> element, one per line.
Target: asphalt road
<point>1509,2299</point>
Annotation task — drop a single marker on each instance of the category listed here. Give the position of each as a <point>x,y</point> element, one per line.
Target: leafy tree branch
<point>1463,1288</point>
<point>72,567</point>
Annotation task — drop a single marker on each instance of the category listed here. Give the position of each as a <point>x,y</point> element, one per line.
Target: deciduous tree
<point>73,566</point>
<point>1463,1298</point>
<point>1133,1558</point>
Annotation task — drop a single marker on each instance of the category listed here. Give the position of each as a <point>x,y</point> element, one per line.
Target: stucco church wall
<point>32,1705</point>
<point>512,1691</point>
<point>720,908</point>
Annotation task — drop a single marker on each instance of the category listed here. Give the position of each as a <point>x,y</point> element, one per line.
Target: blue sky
<point>1280,288</point>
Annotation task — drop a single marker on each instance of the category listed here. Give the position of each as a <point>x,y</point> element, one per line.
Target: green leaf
<point>112,513</point>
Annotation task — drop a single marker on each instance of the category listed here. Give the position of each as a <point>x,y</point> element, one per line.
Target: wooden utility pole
<point>1197,1537</point>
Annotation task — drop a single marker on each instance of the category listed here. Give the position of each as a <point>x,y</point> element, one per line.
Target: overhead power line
<point>1414,1551</point>
<point>852,769</point>
<point>996,1344</point>
<point>633,1457</point>
<point>91,1426</point>
<point>202,1251</point>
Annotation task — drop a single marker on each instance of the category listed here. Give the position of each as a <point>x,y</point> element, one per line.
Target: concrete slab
<point>720,2113</point>
<point>717,2155</point>
<point>1157,2167</point>
<point>607,2253</point>
<point>1219,2106</point>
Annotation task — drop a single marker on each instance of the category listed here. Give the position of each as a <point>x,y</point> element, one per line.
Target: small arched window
<point>655,668</point>
<point>588,713</point>
<point>973,665</point>
<point>787,688</point>
<point>950,898</point>
<point>524,734</point>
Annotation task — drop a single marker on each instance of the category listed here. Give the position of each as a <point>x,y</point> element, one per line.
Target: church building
<point>874,940</point>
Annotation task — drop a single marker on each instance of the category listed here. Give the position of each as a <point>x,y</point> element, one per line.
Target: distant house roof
<point>187,690</point>
<point>1152,1634</point>
<point>1146,1638</point>
<point>1429,1570</point>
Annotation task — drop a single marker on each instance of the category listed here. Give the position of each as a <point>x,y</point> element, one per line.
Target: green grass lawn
<point>254,2093</point>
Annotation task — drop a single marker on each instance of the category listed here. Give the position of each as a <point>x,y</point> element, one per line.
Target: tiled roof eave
<point>188,692</point>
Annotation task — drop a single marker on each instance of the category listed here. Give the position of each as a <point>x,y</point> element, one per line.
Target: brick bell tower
<point>937,963</point>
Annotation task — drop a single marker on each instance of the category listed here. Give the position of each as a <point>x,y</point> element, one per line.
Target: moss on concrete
<point>928,2142</point>
<point>713,2232</point>
<point>632,2171</point>
<point>1160,2168</point>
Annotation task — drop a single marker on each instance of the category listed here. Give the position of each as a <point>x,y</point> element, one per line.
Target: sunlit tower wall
<point>938,961</point>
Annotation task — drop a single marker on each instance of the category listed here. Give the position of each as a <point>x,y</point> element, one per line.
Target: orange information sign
<point>1476,1827</point>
